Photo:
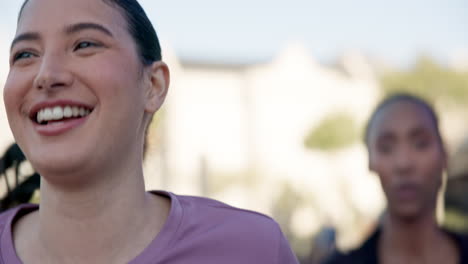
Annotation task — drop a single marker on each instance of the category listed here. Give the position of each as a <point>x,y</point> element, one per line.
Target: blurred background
<point>269,99</point>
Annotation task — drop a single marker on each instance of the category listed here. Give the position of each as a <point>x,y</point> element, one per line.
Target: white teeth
<point>40,116</point>
<point>75,111</point>
<point>67,112</point>
<point>59,112</point>
<point>47,115</point>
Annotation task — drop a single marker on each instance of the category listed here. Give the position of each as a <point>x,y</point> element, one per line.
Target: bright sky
<point>250,30</point>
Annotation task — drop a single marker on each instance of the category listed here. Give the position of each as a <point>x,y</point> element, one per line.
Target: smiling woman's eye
<point>22,55</point>
<point>85,44</point>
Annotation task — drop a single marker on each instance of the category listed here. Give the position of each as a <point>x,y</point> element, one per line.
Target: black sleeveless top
<point>367,253</point>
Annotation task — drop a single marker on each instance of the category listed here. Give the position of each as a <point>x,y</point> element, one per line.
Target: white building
<point>236,133</point>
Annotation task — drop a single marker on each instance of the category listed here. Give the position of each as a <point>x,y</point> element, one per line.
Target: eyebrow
<point>75,28</point>
<point>415,132</point>
<point>72,29</point>
<point>420,131</point>
<point>386,136</point>
<point>28,36</point>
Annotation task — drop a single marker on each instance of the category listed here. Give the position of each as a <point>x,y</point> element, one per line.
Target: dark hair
<point>403,97</point>
<point>139,26</point>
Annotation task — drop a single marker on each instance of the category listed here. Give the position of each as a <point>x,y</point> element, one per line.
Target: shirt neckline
<point>153,251</point>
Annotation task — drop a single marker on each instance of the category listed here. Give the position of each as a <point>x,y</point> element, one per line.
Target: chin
<point>45,166</point>
<point>408,212</point>
<point>58,161</point>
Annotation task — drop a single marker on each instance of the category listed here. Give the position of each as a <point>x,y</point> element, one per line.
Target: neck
<point>410,237</point>
<point>121,188</point>
<point>94,222</point>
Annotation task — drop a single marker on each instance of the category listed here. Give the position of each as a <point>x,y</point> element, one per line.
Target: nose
<point>53,74</point>
<point>404,161</point>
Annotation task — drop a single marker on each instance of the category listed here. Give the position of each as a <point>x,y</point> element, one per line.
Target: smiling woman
<point>85,79</point>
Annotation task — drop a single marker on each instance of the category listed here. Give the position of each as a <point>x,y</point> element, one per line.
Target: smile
<point>53,118</point>
<point>47,115</point>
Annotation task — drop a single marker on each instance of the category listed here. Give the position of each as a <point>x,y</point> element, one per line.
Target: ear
<point>156,92</point>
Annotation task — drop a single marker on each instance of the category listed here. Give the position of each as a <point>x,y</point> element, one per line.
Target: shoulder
<point>336,257</point>
<point>365,254</point>
<point>212,212</point>
<point>462,243</point>
<point>7,217</point>
<point>239,231</point>
<point>4,217</point>
<point>218,207</point>
<point>7,248</point>
<point>463,240</point>
<point>352,257</point>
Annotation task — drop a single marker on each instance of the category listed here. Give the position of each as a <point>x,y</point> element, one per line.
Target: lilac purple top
<point>197,231</point>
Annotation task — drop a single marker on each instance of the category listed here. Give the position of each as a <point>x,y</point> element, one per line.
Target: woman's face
<point>406,152</point>
<point>75,93</point>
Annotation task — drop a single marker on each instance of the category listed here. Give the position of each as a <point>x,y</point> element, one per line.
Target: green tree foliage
<point>335,132</point>
<point>429,80</point>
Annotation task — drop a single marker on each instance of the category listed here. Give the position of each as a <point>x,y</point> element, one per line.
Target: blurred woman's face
<point>406,153</point>
<point>74,94</point>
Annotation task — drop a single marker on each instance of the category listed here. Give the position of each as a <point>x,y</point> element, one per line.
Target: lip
<point>57,128</point>
<point>35,108</point>
<point>60,127</point>
<point>407,191</point>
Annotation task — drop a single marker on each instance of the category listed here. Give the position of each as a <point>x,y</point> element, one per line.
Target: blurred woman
<point>407,152</point>
<point>85,79</point>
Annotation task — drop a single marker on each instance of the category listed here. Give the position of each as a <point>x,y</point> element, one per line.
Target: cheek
<point>116,84</point>
<point>381,166</point>
<point>14,94</point>
<point>120,88</point>
<point>386,184</point>
<point>432,166</point>
<point>113,75</point>
<point>430,160</point>
<point>10,92</point>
